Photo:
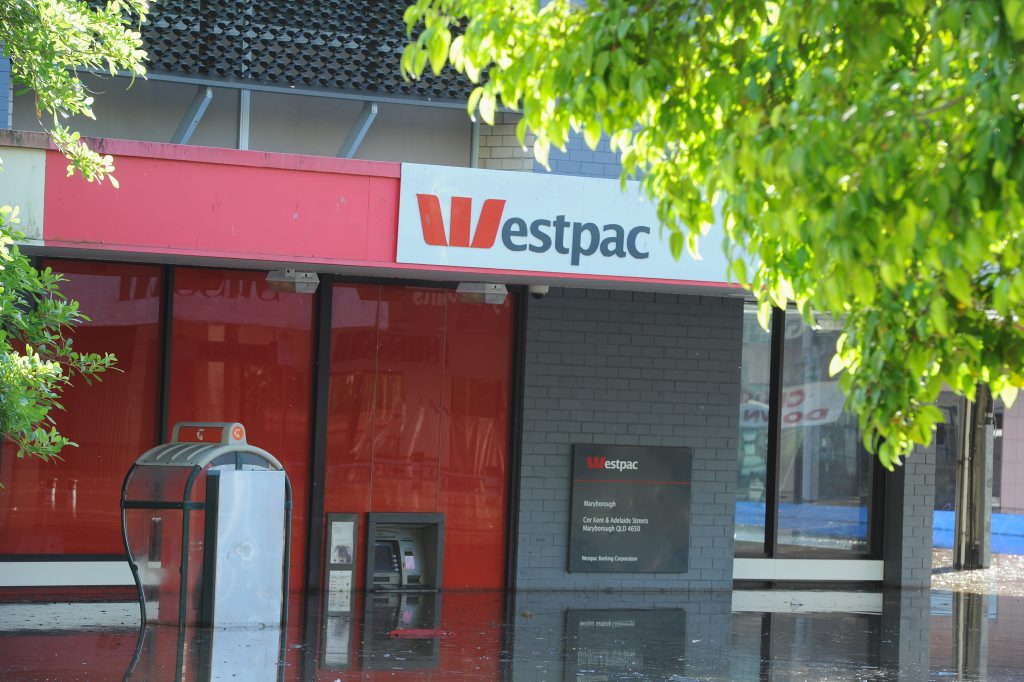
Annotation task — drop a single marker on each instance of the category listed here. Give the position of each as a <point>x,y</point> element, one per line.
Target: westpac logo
<point>575,239</point>
<point>460,218</point>
<point>613,464</point>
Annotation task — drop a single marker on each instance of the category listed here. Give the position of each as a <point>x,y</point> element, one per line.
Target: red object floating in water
<point>419,633</point>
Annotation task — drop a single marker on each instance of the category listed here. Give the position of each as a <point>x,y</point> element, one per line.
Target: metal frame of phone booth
<point>198,448</point>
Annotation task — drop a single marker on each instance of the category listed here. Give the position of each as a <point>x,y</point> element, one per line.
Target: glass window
<point>825,474</point>
<point>243,352</point>
<point>816,479</point>
<point>752,461</point>
<point>73,506</point>
<point>419,417</point>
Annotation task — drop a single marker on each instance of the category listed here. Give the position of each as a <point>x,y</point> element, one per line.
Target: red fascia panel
<point>227,203</point>
<point>206,202</point>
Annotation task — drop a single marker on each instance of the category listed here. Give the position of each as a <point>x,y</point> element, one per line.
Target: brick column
<point>909,517</point>
<point>6,94</point>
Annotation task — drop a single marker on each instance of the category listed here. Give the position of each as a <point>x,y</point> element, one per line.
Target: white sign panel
<point>540,222</point>
<point>811,404</point>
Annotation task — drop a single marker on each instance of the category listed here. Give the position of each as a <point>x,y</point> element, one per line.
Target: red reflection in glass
<point>418,418</point>
<point>408,400</point>
<point>241,352</point>
<point>351,401</point>
<point>73,506</point>
<point>474,445</point>
<point>350,407</point>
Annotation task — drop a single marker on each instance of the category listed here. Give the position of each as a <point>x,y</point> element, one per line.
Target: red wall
<point>419,418</point>
<point>73,506</point>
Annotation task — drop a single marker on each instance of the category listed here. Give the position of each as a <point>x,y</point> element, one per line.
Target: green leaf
<point>764,315</point>
<point>474,100</point>
<point>937,314</point>
<point>439,44</point>
<point>836,365</point>
<point>487,105</point>
<point>455,51</point>
<point>863,285</point>
<point>675,243</point>
<point>1013,10</point>
<point>930,415</point>
<point>541,148</point>
<point>959,285</point>
<point>739,269</point>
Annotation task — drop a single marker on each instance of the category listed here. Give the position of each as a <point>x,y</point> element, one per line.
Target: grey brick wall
<point>909,504</point>
<point>499,147</point>
<point>6,95</point>
<point>578,159</point>
<point>628,368</point>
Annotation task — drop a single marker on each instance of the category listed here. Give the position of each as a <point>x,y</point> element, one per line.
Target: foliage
<point>34,315</point>
<point>868,156</point>
<point>48,40</point>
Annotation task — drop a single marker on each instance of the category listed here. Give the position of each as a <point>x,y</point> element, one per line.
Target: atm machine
<point>405,551</point>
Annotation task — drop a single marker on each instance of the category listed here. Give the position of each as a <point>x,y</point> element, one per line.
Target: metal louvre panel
<point>337,44</point>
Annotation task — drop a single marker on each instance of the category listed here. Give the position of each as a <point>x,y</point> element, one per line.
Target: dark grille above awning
<point>346,45</point>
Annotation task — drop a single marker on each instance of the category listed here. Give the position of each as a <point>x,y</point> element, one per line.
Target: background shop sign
<point>810,404</point>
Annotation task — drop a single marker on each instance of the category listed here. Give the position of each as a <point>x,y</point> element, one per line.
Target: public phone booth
<point>206,524</point>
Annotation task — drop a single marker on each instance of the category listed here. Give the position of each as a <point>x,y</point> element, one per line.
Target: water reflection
<point>970,634</point>
<point>401,631</point>
<point>542,636</point>
<point>193,653</point>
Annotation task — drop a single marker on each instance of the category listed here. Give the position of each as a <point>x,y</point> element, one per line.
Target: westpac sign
<point>540,223</point>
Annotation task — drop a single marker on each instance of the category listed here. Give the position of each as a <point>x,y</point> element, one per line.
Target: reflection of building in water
<point>388,612</point>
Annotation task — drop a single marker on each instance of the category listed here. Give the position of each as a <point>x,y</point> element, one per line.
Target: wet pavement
<point>542,636</point>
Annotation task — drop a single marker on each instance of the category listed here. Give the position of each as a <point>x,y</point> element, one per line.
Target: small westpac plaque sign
<point>630,509</point>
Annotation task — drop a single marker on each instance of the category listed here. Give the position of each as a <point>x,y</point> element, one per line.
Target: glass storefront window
<point>243,352</point>
<point>807,492</point>
<point>419,417</point>
<point>72,506</point>
<point>752,462</point>
<point>825,474</point>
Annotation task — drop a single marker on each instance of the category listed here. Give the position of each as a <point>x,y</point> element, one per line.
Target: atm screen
<point>385,556</point>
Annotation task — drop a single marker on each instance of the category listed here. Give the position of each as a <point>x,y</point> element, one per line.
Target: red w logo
<point>461,215</point>
<point>596,462</point>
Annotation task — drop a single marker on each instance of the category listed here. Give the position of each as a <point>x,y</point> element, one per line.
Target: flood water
<point>541,636</point>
